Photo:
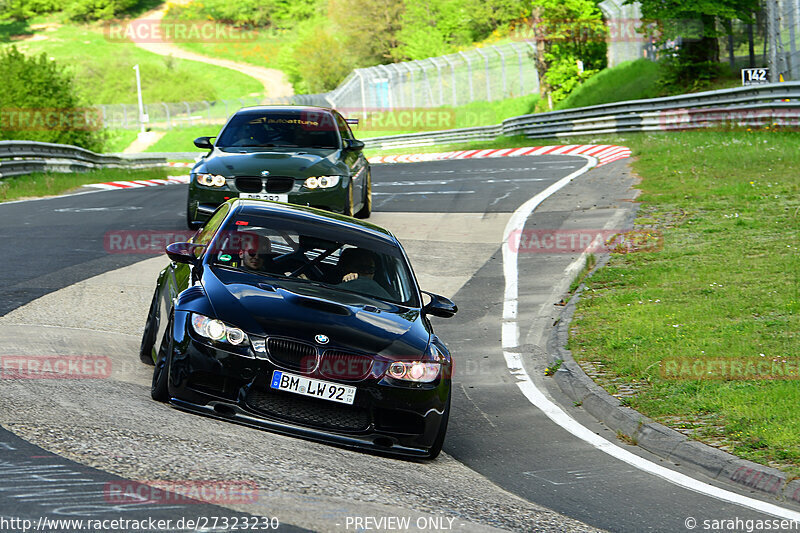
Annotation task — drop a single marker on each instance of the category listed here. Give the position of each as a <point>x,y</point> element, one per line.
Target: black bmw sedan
<point>302,322</point>
<point>297,154</point>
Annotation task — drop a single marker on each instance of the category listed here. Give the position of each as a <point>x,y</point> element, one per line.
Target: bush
<point>39,103</point>
<point>85,10</point>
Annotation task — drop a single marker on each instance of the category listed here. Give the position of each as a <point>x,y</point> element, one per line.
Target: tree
<point>695,25</point>
<point>370,28</point>
<point>567,31</point>
<point>39,103</point>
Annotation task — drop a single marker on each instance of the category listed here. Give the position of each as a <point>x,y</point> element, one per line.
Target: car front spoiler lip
<point>359,442</point>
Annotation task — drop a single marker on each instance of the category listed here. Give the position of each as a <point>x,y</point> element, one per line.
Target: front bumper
<point>385,417</point>
<point>204,200</point>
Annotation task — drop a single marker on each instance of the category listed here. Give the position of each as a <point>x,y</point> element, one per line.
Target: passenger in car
<point>358,268</point>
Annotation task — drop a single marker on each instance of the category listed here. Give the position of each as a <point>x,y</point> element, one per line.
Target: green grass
<point>51,183</point>
<point>180,140</point>
<point>118,140</point>
<point>633,80</point>
<point>726,286</point>
<point>104,73</point>
<point>630,80</point>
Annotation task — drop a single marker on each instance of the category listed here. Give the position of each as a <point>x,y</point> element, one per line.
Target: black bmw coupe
<point>297,154</point>
<point>303,322</point>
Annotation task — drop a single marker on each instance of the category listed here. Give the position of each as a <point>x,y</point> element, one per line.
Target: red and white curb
<point>111,185</point>
<point>180,165</point>
<point>605,153</point>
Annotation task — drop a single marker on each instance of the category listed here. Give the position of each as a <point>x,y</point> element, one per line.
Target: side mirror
<point>439,306</point>
<point>183,252</point>
<point>204,142</point>
<point>354,144</point>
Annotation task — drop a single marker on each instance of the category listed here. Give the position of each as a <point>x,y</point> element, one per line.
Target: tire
<point>150,331</point>
<point>348,206</point>
<point>366,210</point>
<point>190,223</point>
<point>159,389</point>
<point>436,449</point>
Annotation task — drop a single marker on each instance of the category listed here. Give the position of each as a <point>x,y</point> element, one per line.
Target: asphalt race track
<point>70,289</point>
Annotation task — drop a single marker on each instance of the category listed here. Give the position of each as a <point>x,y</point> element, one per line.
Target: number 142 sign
<point>755,76</point>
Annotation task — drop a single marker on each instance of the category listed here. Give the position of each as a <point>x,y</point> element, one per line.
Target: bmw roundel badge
<point>264,173</point>
<point>322,339</point>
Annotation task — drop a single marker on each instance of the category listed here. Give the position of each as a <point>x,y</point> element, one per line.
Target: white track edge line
<point>553,411</point>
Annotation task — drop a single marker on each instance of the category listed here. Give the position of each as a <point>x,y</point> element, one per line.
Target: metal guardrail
<point>24,157</point>
<point>762,105</point>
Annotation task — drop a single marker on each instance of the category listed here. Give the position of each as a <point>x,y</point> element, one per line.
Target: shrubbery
<point>81,10</point>
<point>39,103</point>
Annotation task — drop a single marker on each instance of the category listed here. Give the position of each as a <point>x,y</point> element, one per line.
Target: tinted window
<point>344,129</point>
<point>294,254</point>
<point>300,129</point>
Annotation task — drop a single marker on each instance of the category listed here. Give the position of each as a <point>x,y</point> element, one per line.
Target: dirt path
<point>274,81</point>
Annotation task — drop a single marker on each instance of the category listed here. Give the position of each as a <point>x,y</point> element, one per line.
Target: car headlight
<point>321,182</point>
<point>416,371</point>
<point>217,330</point>
<point>211,180</point>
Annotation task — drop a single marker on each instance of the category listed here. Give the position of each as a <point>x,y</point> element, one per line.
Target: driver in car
<point>254,252</point>
<point>358,266</point>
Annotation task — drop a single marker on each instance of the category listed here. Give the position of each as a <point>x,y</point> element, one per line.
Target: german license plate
<point>265,196</point>
<point>315,388</point>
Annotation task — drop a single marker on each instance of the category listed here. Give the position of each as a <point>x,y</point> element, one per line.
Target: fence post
<point>363,94</point>
<point>453,72</point>
<point>488,85</point>
<point>469,73</point>
<point>441,83</point>
<point>503,63</point>
<point>166,114</point>
<point>389,95</point>
<point>521,74</point>
<point>188,113</point>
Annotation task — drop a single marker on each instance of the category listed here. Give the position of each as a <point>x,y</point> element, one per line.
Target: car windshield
<point>285,129</point>
<point>316,259</point>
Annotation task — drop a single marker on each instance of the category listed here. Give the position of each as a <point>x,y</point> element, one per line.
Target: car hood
<point>302,310</point>
<point>301,163</point>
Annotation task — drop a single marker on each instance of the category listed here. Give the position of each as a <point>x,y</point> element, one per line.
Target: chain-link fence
<point>783,31</point>
<point>481,74</point>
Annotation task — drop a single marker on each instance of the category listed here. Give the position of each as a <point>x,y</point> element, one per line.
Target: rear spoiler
<point>351,120</point>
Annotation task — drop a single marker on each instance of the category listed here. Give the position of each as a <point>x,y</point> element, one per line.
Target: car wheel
<point>436,449</point>
<point>150,331</point>
<point>365,211</point>
<point>190,223</point>
<point>159,389</point>
<point>348,206</point>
